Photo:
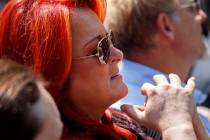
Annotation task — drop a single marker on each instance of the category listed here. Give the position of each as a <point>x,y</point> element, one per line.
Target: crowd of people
<point>63,75</point>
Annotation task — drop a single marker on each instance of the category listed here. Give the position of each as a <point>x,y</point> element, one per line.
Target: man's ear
<point>165,26</point>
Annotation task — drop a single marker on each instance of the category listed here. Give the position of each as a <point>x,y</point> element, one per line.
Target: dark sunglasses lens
<point>205,29</point>
<point>112,38</point>
<point>197,7</point>
<point>104,50</point>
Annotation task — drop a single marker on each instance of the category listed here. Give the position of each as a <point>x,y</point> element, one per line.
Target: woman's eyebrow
<point>98,37</point>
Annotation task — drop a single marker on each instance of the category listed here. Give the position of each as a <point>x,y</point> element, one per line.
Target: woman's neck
<point>86,112</point>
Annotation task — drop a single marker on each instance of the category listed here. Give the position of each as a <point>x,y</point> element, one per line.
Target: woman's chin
<point>122,91</point>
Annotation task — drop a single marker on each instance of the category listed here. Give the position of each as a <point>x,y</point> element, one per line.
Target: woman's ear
<point>165,26</point>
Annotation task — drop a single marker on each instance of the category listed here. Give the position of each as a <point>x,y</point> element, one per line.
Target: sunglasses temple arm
<point>84,57</point>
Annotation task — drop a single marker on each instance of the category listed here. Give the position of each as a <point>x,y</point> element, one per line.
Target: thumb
<point>135,112</point>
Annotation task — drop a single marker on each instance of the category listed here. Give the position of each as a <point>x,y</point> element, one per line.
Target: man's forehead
<point>188,1</point>
<point>192,1</point>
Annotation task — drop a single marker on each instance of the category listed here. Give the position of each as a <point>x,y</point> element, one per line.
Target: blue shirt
<point>135,75</point>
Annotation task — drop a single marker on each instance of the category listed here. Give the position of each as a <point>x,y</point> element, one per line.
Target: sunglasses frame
<point>194,5</point>
<point>102,57</point>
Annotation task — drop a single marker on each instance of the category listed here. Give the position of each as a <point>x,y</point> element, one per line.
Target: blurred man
<point>156,36</point>
<point>201,69</point>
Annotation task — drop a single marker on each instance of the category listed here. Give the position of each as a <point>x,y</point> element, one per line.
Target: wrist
<point>195,119</point>
<point>179,132</point>
<point>177,121</point>
<point>200,131</point>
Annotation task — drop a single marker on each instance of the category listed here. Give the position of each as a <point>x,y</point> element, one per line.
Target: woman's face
<point>93,86</point>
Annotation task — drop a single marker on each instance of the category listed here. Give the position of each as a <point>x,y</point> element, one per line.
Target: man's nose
<point>203,15</point>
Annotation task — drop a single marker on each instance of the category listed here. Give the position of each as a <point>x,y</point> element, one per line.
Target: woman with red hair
<point>65,41</point>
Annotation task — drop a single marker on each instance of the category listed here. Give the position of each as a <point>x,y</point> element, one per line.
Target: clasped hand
<point>168,104</point>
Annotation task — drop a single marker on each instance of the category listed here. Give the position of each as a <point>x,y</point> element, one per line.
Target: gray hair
<point>133,21</point>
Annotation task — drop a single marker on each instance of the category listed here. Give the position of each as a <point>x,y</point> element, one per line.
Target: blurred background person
<point>156,40</point>
<point>156,36</point>
<point>27,111</point>
<point>202,67</point>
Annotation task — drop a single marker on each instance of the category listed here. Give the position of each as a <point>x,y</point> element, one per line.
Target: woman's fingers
<point>160,79</point>
<point>175,80</point>
<point>137,113</point>
<point>190,84</point>
<point>147,89</point>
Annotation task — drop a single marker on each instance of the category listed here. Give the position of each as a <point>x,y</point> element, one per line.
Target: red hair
<point>37,33</point>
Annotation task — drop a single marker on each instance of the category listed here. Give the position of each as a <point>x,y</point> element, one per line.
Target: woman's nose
<point>116,55</point>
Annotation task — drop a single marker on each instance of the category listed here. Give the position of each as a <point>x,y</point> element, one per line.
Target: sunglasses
<point>103,49</point>
<point>194,7</point>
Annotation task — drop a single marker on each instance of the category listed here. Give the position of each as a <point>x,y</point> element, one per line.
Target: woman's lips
<point>116,76</point>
